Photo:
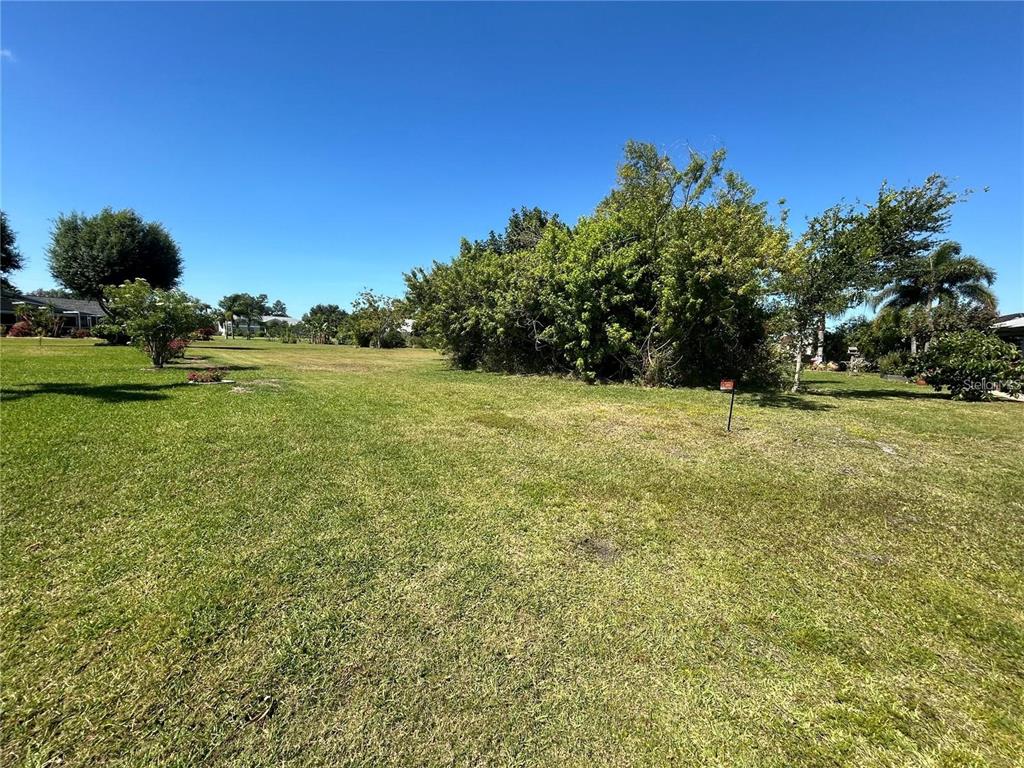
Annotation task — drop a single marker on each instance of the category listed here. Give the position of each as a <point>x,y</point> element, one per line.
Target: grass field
<point>359,557</point>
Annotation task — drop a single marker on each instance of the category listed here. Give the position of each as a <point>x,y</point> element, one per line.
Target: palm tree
<point>944,275</point>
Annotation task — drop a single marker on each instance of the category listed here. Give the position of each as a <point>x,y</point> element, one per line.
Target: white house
<point>241,326</point>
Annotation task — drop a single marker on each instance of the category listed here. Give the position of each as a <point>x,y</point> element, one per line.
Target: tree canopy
<point>10,256</point>
<point>324,322</point>
<point>662,283</point>
<point>89,253</point>
<point>681,275</point>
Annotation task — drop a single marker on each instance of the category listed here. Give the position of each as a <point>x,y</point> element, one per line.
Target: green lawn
<point>360,557</point>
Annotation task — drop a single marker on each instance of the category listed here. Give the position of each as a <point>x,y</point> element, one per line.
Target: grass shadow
<point>202,362</point>
<point>107,393</point>
<point>199,364</point>
<point>784,400</point>
<point>239,347</point>
<point>876,394</point>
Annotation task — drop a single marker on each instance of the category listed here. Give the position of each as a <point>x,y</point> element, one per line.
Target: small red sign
<point>727,385</point>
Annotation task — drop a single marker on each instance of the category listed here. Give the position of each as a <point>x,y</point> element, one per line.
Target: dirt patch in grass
<point>604,551</point>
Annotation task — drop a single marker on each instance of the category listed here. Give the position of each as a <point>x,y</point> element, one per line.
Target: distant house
<point>76,313</point>
<point>1011,328</point>
<point>240,326</point>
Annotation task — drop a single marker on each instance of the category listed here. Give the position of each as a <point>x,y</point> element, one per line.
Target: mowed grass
<point>364,557</point>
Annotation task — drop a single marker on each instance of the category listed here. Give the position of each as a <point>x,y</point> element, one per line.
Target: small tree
<point>376,321</point>
<point>153,319</point>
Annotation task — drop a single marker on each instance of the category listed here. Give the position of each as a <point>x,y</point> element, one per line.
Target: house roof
<point>84,306</point>
<point>1012,322</point>
<point>9,303</point>
<point>281,319</point>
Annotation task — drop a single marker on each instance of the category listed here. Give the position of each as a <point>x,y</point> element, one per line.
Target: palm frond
<point>899,295</point>
<point>977,293</point>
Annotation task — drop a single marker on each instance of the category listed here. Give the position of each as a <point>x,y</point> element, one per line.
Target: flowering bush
<point>208,376</point>
<point>156,321</point>
<point>177,348</point>
<point>21,328</point>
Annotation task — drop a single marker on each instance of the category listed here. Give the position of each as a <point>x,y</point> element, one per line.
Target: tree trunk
<point>913,345</point>
<point>799,359</point>
<point>819,357</point>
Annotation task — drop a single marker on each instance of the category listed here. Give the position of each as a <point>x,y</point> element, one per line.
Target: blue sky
<point>308,150</point>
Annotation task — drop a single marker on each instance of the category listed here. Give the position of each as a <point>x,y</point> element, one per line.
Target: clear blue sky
<point>308,150</point>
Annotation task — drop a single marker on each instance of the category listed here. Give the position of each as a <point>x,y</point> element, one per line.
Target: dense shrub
<point>972,364</point>
<point>21,328</point>
<point>205,334</point>
<point>111,333</point>
<point>663,284</point>
<point>206,376</point>
<point>895,364</point>
<point>80,333</point>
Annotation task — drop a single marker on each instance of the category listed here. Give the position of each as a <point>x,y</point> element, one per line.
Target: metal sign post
<point>729,385</point>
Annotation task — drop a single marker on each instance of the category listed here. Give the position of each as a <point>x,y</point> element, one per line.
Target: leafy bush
<point>44,321</point>
<point>21,328</point>
<point>80,333</point>
<point>205,334</point>
<point>858,365</point>
<point>206,376</point>
<point>110,333</point>
<point>972,364</point>
<point>895,363</point>
<point>158,322</point>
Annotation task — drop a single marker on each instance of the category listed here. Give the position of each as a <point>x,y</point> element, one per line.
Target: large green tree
<point>89,253</point>
<point>10,256</point>
<point>942,277</point>
<point>324,322</point>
